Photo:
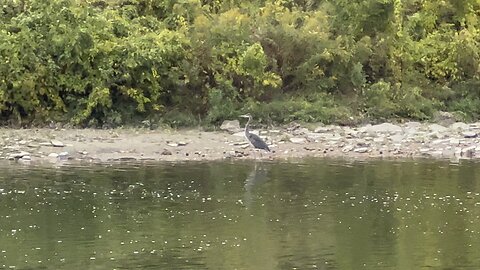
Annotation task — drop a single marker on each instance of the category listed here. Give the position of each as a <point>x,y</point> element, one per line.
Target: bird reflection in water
<point>258,176</point>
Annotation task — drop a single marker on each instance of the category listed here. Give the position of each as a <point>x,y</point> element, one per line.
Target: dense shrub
<point>107,63</point>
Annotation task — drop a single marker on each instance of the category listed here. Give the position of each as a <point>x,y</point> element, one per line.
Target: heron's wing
<point>257,141</point>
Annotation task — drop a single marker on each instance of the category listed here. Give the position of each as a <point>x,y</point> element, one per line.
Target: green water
<point>314,214</point>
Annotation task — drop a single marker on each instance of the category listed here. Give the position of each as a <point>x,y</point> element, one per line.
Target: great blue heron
<point>255,140</point>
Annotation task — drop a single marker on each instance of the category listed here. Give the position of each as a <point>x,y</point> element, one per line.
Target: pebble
<point>469,134</point>
<point>63,155</point>
<point>297,140</point>
<point>56,143</point>
<point>361,150</point>
<point>26,158</point>
<point>17,155</point>
<point>323,129</point>
<point>166,152</point>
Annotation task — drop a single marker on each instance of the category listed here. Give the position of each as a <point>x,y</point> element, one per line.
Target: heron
<point>254,139</point>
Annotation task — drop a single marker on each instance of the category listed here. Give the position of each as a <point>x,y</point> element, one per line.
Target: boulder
<point>382,128</point>
<point>231,126</point>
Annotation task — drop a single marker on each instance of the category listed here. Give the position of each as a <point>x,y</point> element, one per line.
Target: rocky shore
<point>407,140</point>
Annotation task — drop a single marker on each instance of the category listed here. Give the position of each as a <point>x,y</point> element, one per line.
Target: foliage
<point>184,62</point>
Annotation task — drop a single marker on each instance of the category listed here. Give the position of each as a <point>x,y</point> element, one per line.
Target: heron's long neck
<point>246,126</point>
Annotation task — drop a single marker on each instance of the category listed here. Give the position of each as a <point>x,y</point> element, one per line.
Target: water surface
<point>314,214</point>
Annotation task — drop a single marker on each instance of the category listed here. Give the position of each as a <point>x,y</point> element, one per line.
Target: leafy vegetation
<point>108,63</point>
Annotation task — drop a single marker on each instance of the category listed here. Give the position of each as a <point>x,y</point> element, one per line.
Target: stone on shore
<point>437,128</point>
<point>382,128</point>
<point>469,134</point>
<point>297,140</point>
<point>57,143</point>
<point>18,155</point>
<point>231,126</point>
<point>460,126</point>
<point>444,118</point>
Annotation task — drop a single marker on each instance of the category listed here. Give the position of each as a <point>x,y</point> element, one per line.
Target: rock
<point>469,134</point>
<point>297,140</point>
<point>63,155</point>
<point>231,126</point>
<point>448,152</point>
<point>181,143</point>
<point>454,141</point>
<point>444,118</point>
<point>323,129</point>
<point>347,148</point>
<point>437,128</point>
<point>239,143</point>
<point>230,154</point>
<point>468,152</point>
<point>56,143</point>
<point>26,158</point>
<point>436,153</point>
<point>382,128</point>
<point>440,141</point>
<point>412,124</point>
<point>166,152</point>
<point>53,155</point>
<point>362,143</point>
<point>333,137</point>
<point>314,136</point>
<point>396,138</point>
<point>239,134</point>
<point>459,126</point>
<point>300,131</point>
<point>425,151</point>
<point>437,135</point>
<point>350,132</point>
<point>127,159</point>
<point>173,144</point>
<point>361,150</point>
<point>18,155</point>
<point>45,144</point>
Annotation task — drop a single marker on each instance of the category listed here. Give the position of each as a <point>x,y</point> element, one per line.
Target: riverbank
<point>411,139</point>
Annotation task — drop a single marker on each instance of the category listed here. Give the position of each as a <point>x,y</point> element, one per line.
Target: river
<point>309,214</point>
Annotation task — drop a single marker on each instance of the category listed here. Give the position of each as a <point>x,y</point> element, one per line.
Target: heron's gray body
<point>254,139</point>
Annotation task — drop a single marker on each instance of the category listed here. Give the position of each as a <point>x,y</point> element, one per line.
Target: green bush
<point>383,101</point>
<point>312,108</point>
<point>109,63</point>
